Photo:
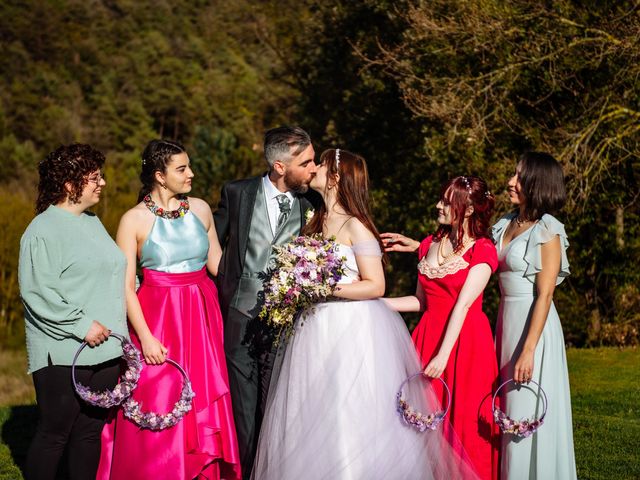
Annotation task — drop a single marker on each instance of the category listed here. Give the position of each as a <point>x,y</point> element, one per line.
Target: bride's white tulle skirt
<point>331,412</point>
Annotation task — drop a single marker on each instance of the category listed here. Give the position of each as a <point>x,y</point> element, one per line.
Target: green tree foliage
<point>116,74</point>
<point>425,90</point>
<point>500,77</point>
<point>431,89</point>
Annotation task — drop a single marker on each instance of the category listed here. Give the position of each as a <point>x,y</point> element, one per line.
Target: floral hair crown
<point>337,158</point>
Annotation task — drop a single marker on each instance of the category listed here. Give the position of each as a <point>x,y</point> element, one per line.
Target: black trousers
<point>65,421</point>
<point>250,358</point>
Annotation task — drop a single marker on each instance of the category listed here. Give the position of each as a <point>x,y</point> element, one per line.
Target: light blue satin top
<point>178,245</point>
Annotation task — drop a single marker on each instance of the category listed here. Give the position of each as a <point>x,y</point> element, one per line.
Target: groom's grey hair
<point>279,141</point>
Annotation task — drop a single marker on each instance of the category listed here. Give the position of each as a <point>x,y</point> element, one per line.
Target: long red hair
<point>353,191</point>
<point>461,193</point>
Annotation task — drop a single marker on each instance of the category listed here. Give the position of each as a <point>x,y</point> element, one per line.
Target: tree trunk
<point>620,227</point>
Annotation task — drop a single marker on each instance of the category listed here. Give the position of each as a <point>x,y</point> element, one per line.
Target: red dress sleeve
<point>424,247</point>
<point>484,251</point>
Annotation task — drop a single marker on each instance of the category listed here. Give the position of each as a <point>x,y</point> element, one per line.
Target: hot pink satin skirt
<point>182,311</point>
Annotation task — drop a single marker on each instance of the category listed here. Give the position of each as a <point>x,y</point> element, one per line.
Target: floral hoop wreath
<point>121,394</point>
<point>420,421</point>
<point>520,428</point>
<point>128,381</point>
<point>132,409</point>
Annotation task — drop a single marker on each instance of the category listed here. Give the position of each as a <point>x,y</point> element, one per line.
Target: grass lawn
<point>605,394</point>
<point>605,390</point>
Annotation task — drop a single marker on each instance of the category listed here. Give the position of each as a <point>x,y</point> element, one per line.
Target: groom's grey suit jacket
<point>244,231</point>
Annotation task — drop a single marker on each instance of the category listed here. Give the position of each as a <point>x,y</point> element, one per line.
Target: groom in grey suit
<point>253,215</point>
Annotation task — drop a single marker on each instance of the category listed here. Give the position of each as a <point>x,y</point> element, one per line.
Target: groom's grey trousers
<point>249,358</point>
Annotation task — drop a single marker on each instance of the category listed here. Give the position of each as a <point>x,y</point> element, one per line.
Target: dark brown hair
<point>353,191</point>
<point>66,165</point>
<point>461,193</point>
<point>542,184</point>
<point>155,158</point>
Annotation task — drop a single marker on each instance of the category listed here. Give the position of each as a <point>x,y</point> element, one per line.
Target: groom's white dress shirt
<point>270,194</point>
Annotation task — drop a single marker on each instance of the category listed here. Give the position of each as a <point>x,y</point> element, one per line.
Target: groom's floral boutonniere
<point>308,215</point>
<point>306,271</point>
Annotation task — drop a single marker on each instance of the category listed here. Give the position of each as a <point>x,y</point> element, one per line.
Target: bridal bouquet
<point>306,271</point>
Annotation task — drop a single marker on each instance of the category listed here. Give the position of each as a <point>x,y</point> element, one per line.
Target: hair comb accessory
<point>467,184</point>
<point>337,158</point>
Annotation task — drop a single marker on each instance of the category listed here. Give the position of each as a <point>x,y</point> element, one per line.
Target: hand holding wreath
<point>523,371</point>
<point>154,352</point>
<point>97,334</point>
<point>435,368</point>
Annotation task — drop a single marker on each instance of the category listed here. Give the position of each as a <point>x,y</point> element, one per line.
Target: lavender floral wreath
<point>520,428</point>
<point>420,421</point>
<point>132,409</point>
<point>128,380</point>
<point>121,394</point>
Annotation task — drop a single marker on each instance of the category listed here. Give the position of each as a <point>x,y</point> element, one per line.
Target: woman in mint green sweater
<point>71,276</point>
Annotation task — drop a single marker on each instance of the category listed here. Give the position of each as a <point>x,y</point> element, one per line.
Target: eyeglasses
<point>96,178</point>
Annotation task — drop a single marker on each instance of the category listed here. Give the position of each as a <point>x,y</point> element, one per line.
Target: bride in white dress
<point>331,413</point>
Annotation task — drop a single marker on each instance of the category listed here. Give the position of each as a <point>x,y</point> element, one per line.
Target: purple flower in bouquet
<point>306,271</point>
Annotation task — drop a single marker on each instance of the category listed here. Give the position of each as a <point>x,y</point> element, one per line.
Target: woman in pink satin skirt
<point>174,314</point>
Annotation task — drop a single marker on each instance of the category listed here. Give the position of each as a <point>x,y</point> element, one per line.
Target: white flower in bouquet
<point>306,271</point>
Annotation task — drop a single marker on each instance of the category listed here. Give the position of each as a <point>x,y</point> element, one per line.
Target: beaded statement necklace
<point>168,214</point>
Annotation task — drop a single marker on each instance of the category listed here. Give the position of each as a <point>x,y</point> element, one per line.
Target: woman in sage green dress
<point>532,259</point>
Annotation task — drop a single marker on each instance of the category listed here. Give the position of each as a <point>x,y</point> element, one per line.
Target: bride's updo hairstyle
<point>155,158</point>
<point>542,184</point>
<point>463,192</point>
<point>350,176</point>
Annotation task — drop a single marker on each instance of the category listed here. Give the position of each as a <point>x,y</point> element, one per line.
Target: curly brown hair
<point>66,165</point>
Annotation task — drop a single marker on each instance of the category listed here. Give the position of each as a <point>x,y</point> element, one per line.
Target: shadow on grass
<point>18,429</point>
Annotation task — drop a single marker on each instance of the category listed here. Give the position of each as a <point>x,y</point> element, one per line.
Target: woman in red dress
<point>454,337</point>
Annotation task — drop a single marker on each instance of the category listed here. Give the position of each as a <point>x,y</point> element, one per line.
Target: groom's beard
<point>296,185</point>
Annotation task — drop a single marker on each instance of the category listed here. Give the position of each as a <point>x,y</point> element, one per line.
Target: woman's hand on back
<point>396,242</point>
